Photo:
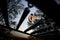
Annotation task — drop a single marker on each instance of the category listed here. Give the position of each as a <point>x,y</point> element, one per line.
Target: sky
<point>20,12</point>
<point>58,1</point>
<point>24,25</point>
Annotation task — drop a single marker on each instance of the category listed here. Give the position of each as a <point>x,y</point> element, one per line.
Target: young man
<point>32,18</point>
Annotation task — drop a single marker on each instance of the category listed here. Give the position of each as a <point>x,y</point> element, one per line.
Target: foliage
<point>14,8</point>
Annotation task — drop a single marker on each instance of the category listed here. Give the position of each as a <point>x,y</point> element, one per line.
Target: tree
<point>14,8</point>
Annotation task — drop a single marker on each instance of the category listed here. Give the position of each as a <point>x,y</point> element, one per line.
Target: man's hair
<point>31,14</point>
